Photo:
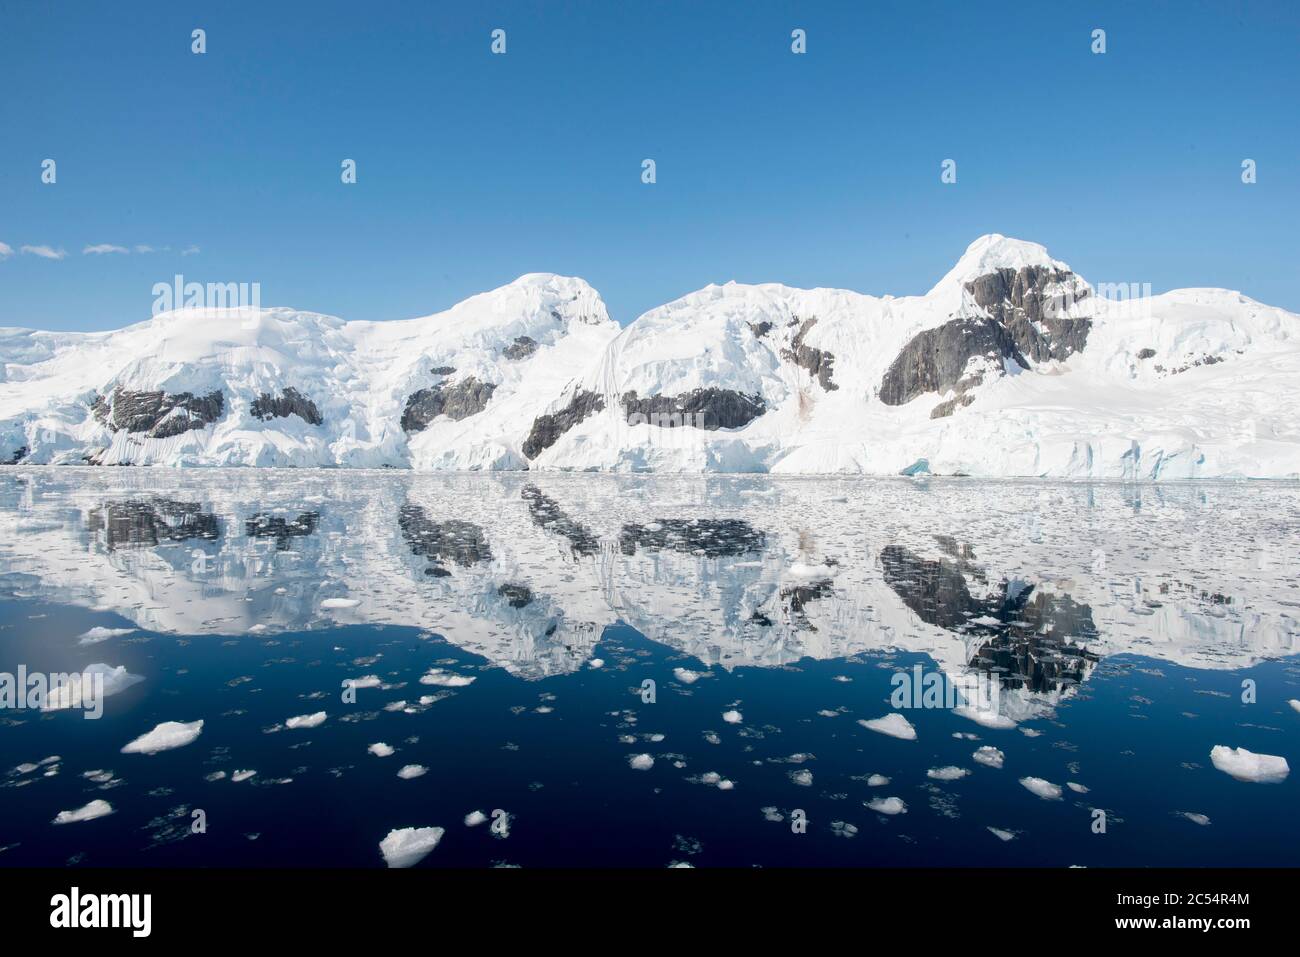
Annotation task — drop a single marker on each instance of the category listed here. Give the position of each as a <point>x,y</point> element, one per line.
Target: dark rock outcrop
<point>443,370</point>
<point>262,525</point>
<point>159,414</point>
<point>546,513</point>
<point>548,428</point>
<point>456,541</point>
<point>707,409</point>
<point>521,348</point>
<point>1021,300</point>
<point>144,524</point>
<point>459,401</point>
<point>935,359</point>
<point>821,364</point>
<point>289,402</point>
<point>708,537</point>
<point>1146,353</point>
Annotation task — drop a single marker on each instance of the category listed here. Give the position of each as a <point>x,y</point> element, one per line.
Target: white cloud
<point>190,251</point>
<point>102,249</point>
<point>6,250</point>
<point>45,252</point>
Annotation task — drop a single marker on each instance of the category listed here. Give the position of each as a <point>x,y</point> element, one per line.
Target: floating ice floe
<point>1295,704</point>
<point>407,846</point>
<point>366,681</point>
<point>985,718</point>
<point>732,717</point>
<point>445,679</point>
<point>306,720</point>
<point>889,805</point>
<point>641,762</point>
<point>1247,766</point>
<point>330,603</point>
<point>410,771</point>
<point>1001,834</point>
<point>238,776</point>
<point>94,809</point>
<point>949,773</point>
<point>76,693</point>
<point>1044,789</point>
<point>1076,787</point>
<point>803,778</point>
<point>596,663</point>
<point>989,757</point>
<point>687,677</point>
<point>894,725</point>
<point>1195,817</point>
<point>165,737</point>
<point>99,633</point>
<point>475,818</point>
<point>380,750</point>
<point>877,781</point>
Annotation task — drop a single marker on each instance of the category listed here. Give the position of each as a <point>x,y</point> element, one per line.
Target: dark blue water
<point>1135,730</point>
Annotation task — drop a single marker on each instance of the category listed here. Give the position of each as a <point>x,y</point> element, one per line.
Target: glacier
<point>1010,366</point>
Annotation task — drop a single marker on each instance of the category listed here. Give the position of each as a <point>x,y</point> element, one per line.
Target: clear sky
<point>820,169</point>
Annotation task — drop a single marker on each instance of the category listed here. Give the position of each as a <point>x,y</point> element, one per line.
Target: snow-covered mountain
<point>1011,365</point>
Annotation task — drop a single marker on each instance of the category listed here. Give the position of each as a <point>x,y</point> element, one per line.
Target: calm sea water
<point>640,671</point>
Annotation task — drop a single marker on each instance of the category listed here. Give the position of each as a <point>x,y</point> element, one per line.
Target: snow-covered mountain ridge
<point>1011,365</point>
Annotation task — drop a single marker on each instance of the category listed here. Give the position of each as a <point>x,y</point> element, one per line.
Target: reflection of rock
<point>546,513</point>
<point>516,596</point>
<point>451,541</point>
<point>712,537</point>
<point>1031,638</point>
<point>145,524</point>
<point>548,428</point>
<point>289,402</point>
<point>796,597</point>
<point>160,414</point>
<point>20,453</point>
<point>708,409</point>
<point>274,526</point>
<point>459,401</point>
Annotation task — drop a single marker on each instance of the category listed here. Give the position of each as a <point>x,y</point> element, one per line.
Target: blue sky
<point>813,170</point>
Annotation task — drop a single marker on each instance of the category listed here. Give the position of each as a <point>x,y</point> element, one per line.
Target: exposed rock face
<point>1029,302</point>
<point>276,527</point>
<point>1026,325</point>
<point>137,524</point>
<point>516,596</point>
<point>462,543</point>
<point>521,348</point>
<point>935,360</point>
<point>547,429</point>
<point>820,364</point>
<point>709,537</point>
<point>443,370</point>
<point>546,513</point>
<point>457,402</point>
<point>1147,354</point>
<point>760,329</point>
<point>289,402</point>
<point>708,409</point>
<point>159,414</point>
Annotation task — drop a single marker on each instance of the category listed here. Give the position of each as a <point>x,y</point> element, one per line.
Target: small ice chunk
<point>475,818</point>
<point>687,677</point>
<point>165,737</point>
<point>78,693</point>
<point>99,633</point>
<point>889,805</point>
<point>1195,818</point>
<point>893,724</point>
<point>949,773</point>
<point>989,756</point>
<point>1044,789</point>
<point>641,762</point>
<point>306,720</point>
<point>732,717</point>
<point>1002,835</point>
<point>1076,787</point>
<point>380,750</point>
<point>446,679</point>
<point>411,771</point>
<point>238,776</point>
<point>803,778</point>
<point>1247,766</point>
<point>94,809</point>
<point>341,603</point>
<point>877,781</point>
<point>596,663</point>
<point>407,846</point>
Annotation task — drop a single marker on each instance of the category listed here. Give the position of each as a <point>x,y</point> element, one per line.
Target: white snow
<point>165,737</point>
<point>892,724</point>
<point>407,846</point>
<point>1247,766</point>
<point>94,809</point>
<point>1044,789</point>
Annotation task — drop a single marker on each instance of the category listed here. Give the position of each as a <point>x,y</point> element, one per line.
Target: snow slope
<point>1010,366</point>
